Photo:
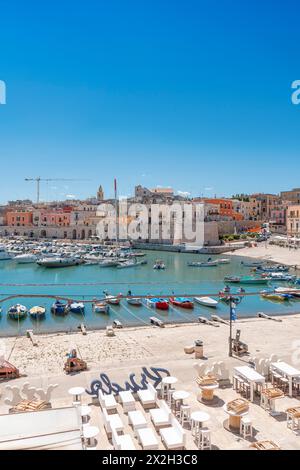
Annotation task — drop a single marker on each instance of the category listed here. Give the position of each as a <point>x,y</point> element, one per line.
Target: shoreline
<point>271,253</point>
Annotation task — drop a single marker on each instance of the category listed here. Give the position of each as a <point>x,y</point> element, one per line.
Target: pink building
<point>48,217</point>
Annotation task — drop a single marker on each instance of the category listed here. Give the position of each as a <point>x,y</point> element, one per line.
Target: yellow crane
<point>38,180</point>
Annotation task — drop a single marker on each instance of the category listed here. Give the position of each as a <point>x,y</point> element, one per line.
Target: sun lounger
<point>148,397</point>
<point>112,422</point>
<point>173,437</point>
<point>147,438</point>
<point>161,416</point>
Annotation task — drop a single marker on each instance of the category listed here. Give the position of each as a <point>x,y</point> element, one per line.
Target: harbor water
<point>86,282</point>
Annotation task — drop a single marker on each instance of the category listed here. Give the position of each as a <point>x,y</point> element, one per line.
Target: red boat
<point>183,302</point>
<point>161,304</point>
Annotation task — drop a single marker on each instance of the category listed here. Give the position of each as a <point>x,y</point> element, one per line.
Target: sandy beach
<point>277,254</point>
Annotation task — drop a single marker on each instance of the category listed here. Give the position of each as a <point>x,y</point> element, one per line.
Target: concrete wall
<point>228,226</point>
<point>76,233</point>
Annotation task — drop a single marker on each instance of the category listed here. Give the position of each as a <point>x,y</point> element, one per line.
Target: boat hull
<point>183,304</point>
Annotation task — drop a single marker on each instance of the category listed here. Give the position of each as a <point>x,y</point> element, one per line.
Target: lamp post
<point>233,302</point>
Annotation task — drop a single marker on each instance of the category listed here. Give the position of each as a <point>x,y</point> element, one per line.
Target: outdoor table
<point>89,433</point>
<point>137,420</point>
<point>208,391</point>
<point>76,392</point>
<point>167,383</point>
<point>289,371</point>
<point>197,418</point>
<point>127,400</point>
<point>234,417</point>
<point>251,376</point>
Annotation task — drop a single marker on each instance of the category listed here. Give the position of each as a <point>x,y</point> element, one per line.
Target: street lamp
<point>233,302</point>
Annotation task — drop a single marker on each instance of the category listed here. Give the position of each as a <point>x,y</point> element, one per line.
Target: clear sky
<point>193,94</point>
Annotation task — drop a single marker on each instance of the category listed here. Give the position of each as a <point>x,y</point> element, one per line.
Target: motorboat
<point>4,255</point>
<point>251,264</point>
<point>17,312</point>
<point>131,263</point>
<point>206,301</point>
<point>100,307</point>
<point>160,304</point>
<point>223,261</point>
<point>159,264</point>
<point>37,313</point>
<point>59,308</point>
<point>246,279</point>
<point>288,290</point>
<point>112,299</point>
<point>59,262</point>
<point>182,302</point>
<point>109,263</point>
<point>271,295</point>
<point>134,301</point>
<point>280,276</point>
<point>76,307</point>
<point>274,269</point>
<point>26,258</point>
<point>203,264</point>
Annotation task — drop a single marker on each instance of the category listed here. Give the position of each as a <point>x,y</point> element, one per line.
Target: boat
<point>288,290</point>
<point>160,304</point>
<point>17,312</point>
<point>159,264</point>
<point>203,264</point>
<point>278,276</point>
<point>26,258</point>
<point>117,324</point>
<point>130,263</point>
<point>275,296</point>
<point>182,302</point>
<point>112,299</point>
<point>76,307</point>
<point>206,301</point>
<point>37,313</point>
<point>59,262</point>
<point>109,263</point>
<point>273,269</point>
<point>246,279</point>
<point>59,308</point>
<point>134,301</point>
<point>223,261</point>
<point>4,255</point>
<point>100,307</point>
<point>251,264</point>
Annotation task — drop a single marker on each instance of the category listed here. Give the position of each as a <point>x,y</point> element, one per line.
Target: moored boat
<point>206,301</point>
<point>288,290</point>
<point>160,304</point>
<point>183,302</point>
<point>17,312</point>
<point>223,261</point>
<point>134,301</point>
<point>4,255</point>
<point>112,299</point>
<point>202,264</point>
<point>100,307</point>
<point>251,264</point>
<point>59,308</point>
<point>38,312</point>
<point>76,307</point>
<point>246,279</point>
<point>59,262</point>
<point>25,258</point>
<point>275,296</point>
<point>159,264</point>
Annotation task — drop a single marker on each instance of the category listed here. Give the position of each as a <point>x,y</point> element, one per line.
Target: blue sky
<point>191,94</point>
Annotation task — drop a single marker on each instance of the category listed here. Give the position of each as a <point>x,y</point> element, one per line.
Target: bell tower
<point>100,194</point>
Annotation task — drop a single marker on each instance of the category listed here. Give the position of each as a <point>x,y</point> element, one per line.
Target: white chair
<point>204,441</point>
<point>112,422</point>
<point>246,427</point>
<point>122,442</point>
<point>173,437</point>
<point>170,399</point>
<point>161,416</point>
<point>107,401</point>
<point>147,438</point>
<point>148,397</point>
<point>127,400</point>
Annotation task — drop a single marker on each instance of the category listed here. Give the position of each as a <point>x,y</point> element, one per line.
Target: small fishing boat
<point>275,296</point>
<point>206,301</point>
<point>134,301</point>
<point>17,312</point>
<point>273,269</point>
<point>183,302</point>
<point>59,308</point>
<point>246,279</point>
<point>100,307</point>
<point>159,264</point>
<point>223,261</point>
<point>278,276</point>
<point>76,307</point>
<point>130,263</point>
<point>288,290</point>
<point>117,324</point>
<point>202,264</point>
<point>59,262</point>
<point>37,313</point>
<point>160,304</point>
<point>109,263</point>
<point>251,264</point>
<point>112,299</point>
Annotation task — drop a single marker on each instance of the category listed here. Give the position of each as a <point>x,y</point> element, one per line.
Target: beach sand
<point>277,254</point>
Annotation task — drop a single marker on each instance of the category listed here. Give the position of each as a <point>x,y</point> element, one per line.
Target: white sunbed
<point>122,442</point>
<point>161,416</point>
<point>147,438</point>
<point>173,437</point>
<point>112,422</point>
<point>148,397</point>
<point>107,401</point>
<point>127,400</point>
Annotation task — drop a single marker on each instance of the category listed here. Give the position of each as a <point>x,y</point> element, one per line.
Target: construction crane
<point>39,179</point>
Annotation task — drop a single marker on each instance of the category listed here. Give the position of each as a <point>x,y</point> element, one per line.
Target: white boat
<point>17,312</point>
<point>206,301</point>
<point>108,263</point>
<point>100,307</point>
<point>3,254</point>
<point>204,264</point>
<point>288,290</point>
<point>26,258</point>
<point>134,301</point>
<point>223,261</point>
<point>76,307</point>
<point>159,264</point>
<point>59,262</point>
<point>37,312</point>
